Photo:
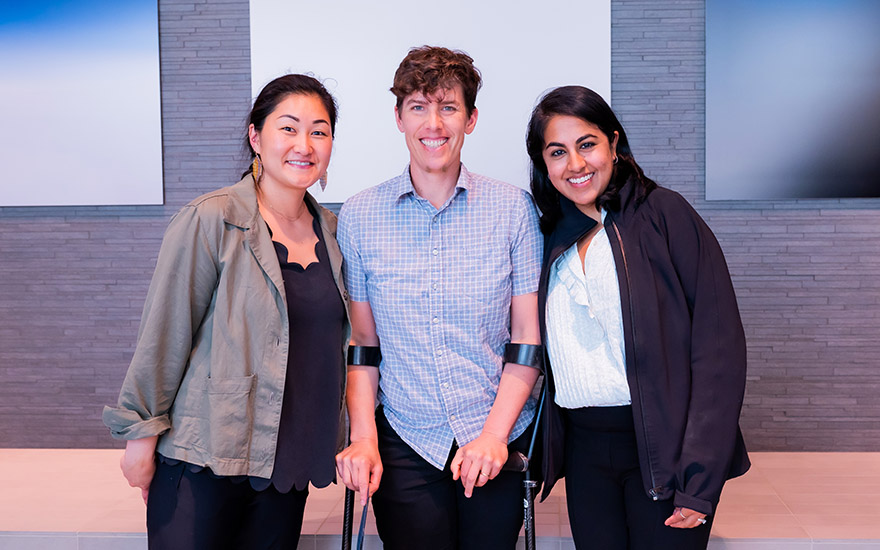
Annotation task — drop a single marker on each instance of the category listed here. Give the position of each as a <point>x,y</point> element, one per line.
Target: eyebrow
<point>295,119</point>
<point>578,140</point>
<point>422,100</point>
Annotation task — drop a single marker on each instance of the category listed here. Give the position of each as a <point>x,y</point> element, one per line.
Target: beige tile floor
<point>76,499</point>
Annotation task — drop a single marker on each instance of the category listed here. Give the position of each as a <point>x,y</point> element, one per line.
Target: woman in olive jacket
<point>646,356</point>
<point>233,401</point>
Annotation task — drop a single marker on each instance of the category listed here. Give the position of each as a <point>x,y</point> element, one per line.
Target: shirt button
<point>435,252</point>
<point>451,417</point>
<point>435,320</point>
<point>435,286</point>
<point>445,385</point>
<point>439,352</point>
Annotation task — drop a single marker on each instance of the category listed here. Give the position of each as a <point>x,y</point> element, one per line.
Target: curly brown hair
<point>427,69</point>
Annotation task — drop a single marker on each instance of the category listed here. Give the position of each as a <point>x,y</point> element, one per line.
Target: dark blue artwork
<point>792,99</point>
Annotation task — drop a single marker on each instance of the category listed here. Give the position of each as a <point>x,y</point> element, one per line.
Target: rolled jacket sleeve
<point>179,296</point>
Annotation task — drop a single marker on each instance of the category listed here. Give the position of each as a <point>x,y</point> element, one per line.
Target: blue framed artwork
<point>79,103</point>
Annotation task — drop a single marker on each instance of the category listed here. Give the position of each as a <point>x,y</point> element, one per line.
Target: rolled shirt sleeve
<point>526,249</point>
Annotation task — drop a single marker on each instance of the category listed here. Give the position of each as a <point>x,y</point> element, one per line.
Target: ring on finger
<point>682,515</point>
<point>484,475</point>
<point>702,521</point>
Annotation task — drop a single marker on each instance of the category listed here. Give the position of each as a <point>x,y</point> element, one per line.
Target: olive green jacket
<point>209,367</point>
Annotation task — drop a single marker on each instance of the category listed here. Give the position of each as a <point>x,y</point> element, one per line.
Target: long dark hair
<point>589,106</point>
<point>277,91</point>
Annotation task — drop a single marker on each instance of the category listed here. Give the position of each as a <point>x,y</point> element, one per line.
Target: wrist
<point>496,435</point>
<point>145,444</point>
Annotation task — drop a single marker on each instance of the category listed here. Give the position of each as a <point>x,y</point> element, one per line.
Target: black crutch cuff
<point>523,354</point>
<point>369,356</point>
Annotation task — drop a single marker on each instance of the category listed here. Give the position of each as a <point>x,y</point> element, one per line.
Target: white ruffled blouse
<point>585,328</point>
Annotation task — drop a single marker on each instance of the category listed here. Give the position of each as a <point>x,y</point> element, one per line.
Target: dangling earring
<point>615,159</point>
<point>323,181</point>
<point>257,168</point>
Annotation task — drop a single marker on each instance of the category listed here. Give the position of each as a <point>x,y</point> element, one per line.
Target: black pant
<point>199,511</point>
<point>608,507</point>
<point>419,506</point>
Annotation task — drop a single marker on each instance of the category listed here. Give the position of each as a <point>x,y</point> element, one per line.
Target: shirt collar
<point>404,186</point>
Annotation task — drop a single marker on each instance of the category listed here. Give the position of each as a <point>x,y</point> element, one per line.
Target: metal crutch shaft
<point>347,519</point>
<point>530,485</point>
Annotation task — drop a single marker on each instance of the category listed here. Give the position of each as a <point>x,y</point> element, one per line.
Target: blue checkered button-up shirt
<point>439,282</point>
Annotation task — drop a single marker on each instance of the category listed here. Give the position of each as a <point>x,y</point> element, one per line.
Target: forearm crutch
<point>370,356</point>
<point>519,462</point>
<point>531,355</point>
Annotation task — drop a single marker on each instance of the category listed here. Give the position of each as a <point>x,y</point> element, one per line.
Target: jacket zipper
<point>654,490</point>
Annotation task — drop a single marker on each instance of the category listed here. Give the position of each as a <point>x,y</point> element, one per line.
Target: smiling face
<point>580,160</point>
<point>434,127</point>
<point>295,142</point>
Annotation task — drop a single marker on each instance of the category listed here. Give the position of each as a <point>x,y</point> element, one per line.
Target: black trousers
<point>419,506</point>
<point>199,511</point>
<point>608,507</point>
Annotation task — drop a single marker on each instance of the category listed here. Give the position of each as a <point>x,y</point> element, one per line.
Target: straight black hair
<point>277,91</point>
<point>587,105</point>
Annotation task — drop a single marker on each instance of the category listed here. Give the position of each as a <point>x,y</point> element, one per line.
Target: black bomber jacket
<point>684,343</point>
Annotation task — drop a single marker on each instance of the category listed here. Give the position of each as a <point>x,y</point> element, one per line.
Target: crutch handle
<point>516,462</point>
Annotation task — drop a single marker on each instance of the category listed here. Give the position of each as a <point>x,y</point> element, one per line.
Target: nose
<point>434,120</point>
<point>302,143</point>
<point>576,162</point>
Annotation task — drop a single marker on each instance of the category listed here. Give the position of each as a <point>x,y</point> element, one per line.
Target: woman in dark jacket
<point>646,357</point>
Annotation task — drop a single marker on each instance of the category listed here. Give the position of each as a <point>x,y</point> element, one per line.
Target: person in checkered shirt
<point>442,267</point>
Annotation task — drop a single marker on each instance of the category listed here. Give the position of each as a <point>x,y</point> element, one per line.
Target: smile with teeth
<point>583,179</point>
<point>434,143</point>
<point>303,163</point>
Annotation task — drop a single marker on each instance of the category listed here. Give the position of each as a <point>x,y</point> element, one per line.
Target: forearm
<point>363,386</point>
<point>514,390</point>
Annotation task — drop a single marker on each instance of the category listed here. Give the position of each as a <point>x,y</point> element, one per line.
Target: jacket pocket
<point>230,416</point>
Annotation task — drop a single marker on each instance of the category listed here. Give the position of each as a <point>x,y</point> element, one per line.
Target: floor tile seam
<point>788,508</point>
<point>109,534</point>
<point>326,517</point>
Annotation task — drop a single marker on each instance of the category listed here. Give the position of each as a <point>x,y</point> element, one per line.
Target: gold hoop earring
<point>257,168</point>
<point>323,181</point>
